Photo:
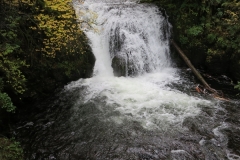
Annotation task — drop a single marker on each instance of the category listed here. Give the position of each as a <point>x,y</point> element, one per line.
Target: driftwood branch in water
<point>196,73</point>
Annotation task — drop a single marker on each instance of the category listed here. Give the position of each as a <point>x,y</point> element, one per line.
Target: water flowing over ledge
<point>133,35</point>
<point>137,35</point>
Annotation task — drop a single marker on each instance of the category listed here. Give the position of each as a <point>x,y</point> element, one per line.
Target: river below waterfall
<point>143,109</point>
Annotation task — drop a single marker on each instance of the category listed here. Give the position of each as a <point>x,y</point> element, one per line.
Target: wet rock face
<point>88,70</point>
<point>123,67</point>
<point>119,66</point>
<point>234,140</point>
<point>233,132</point>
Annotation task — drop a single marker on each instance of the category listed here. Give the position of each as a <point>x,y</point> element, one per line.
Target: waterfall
<point>136,105</point>
<point>131,41</point>
<point>132,35</point>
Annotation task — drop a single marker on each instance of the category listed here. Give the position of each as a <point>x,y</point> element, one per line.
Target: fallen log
<point>196,73</point>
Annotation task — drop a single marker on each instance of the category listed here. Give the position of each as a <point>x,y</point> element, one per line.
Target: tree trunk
<point>196,73</point>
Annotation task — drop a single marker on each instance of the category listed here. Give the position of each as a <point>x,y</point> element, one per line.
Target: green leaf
<point>195,30</point>
<point>211,37</point>
<point>6,103</point>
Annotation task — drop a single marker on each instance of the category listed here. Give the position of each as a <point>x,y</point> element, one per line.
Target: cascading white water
<point>137,35</point>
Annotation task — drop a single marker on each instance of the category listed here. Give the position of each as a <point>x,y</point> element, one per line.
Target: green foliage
<point>183,39</point>
<point>10,150</point>
<point>13,80</point>
<point>237,86</point>
<point>6,103</point>
<point>211,38</point>
<point>195,31</point>
<point>5,100</point>
<point>10,64</point>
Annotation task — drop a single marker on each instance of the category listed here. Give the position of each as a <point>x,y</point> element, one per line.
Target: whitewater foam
<point>138,34</point>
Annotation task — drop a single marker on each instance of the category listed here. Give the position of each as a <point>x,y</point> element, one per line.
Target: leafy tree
<point>5,100</point>
<point>62,53</point>
<point>58,25</point>
<point>13,80</point>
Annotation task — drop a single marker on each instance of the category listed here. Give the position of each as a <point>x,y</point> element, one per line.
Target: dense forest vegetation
<point>42,48</point>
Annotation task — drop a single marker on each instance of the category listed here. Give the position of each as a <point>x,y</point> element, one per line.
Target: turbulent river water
<point>149,111</point>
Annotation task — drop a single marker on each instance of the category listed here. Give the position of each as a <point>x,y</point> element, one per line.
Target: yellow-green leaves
<point>10,64</point>
<point>57,21</point>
